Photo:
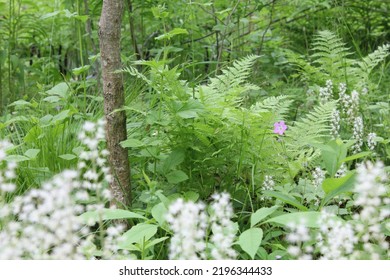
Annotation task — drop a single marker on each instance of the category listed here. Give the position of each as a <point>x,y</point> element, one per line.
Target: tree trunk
<point>109,34</point>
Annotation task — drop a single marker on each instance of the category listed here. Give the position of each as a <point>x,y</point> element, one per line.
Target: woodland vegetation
<point>246,129</point>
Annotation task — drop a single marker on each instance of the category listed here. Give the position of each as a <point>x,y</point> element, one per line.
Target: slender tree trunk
<point>109,34</point>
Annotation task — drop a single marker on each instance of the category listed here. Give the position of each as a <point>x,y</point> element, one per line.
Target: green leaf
<point>155,241</point>
<point>356,156</point>
<point>81,70</point>
<point>67,156</point>
<point>61,116</point>
<point>109,214</point>
<point>138,234</point>
<point>32,153</point>
<point>287,199</point>
<point>174,159</point>
<point>176,177</point>
<point>16,158</point>
<point>343,185</point>
<point>261,214</point>
<point>172,33</point>
<point>309,219</point>
<point>250,241</point>
<point>61,90</point>
<point>158,213</point>
<point>20,103</point>
<point>132,143</point>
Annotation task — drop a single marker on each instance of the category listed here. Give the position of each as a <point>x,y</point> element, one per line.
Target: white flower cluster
<point>297,237</point>
<point>326,92</point>
<point>189,223</point>
<point>44,223</point>
<point>47,225</point>
<point>341,171</point>
<point>360,238</point>
<point>336,240</point>
<point>335,124</point>
<point>93,164</point>
<point>375,207</point>
<point>357,134</point>
<point>222,227</point>
<point>318,176</point>
<point>268,185</point>
<point>350,103</point>
<point>7,169</point>
<point>371,140</point>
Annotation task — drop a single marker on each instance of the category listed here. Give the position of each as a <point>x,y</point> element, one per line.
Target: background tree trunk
<point>110,34</point>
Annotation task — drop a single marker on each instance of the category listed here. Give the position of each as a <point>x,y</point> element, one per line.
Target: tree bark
<point>109,35</point>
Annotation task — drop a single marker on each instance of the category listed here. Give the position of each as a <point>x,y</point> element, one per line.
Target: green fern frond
<point>369,62</point>
<point>234,75</point>
<point>312,128</point>
<point>132,71</point>
<point>330,54</point>
<point>227,87</point>
<point>278,105</point>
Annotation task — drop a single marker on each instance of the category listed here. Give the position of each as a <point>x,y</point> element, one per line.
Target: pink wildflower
<point>280,127</point>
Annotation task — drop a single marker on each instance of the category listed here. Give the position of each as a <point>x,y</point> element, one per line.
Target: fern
<point>278,105</point>
<point>311,129</point>
<point>227,87</point>
<point>369,62</point>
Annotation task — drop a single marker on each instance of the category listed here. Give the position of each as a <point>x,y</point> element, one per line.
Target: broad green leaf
<point>81,70</point>
<point>261,214</point>
<point>67,156</point>
<point>287,199</point>
<point>20,103</point>
<point>356,156</point>
<point>61,89</point>
<point>309,219</point>
<point>347,185</point>
<point>158,212</point>
<point>176,176</point>
<point>191,195</point>
<point>132,143</point>
<point>331,184</point>
<point>250,241</point>
<point>16,158</point>
<point>109,214</point>
<point>32,153</point>
<point>61,116</point>
<point>52,99</point>
<point>172,33</point>
<point>175,158</point>
<point>138,234</point>
<point>155,241</point>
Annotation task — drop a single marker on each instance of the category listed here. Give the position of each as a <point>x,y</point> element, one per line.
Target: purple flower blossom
<point>280,127</point>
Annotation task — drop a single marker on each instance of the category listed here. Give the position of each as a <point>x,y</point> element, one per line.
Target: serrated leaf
<point>261,214</point>
<point>176,177</point>
<point>250,241</point>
